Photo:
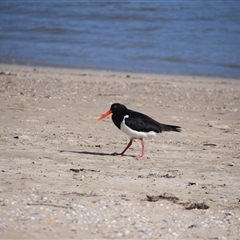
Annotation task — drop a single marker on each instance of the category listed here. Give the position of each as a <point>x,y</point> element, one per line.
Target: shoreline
<point>26,63</point>
<point>60,180</point>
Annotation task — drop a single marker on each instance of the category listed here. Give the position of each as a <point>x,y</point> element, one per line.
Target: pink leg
<point>129,144</point>
<point>143,145</point>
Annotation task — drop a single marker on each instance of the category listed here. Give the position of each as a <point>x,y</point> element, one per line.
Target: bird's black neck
<point>117,118</point>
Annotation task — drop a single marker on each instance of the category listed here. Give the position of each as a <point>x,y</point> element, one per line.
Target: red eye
<point>115,106</point>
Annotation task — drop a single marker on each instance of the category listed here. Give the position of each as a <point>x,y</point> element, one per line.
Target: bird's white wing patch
<point>133,133</point>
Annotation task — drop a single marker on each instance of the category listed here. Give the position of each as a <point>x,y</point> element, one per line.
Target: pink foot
<point>142,156</point>
<point>117,154</point>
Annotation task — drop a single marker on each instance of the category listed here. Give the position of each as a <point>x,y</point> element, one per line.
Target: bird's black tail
<point>169,128</point>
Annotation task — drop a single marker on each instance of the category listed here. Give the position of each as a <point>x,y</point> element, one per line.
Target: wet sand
<point>59,178</point>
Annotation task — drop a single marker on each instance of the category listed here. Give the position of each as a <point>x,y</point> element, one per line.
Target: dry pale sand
<point>59,178</point>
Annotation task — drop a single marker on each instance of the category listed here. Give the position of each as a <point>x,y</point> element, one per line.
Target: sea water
<point>199,37</point>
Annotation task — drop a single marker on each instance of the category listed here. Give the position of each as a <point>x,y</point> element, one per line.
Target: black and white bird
<point>135,124</point>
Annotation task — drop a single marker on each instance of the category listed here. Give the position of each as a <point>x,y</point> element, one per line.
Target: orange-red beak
<point>105,115</point>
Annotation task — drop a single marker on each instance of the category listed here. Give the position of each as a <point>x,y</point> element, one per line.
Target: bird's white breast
<point>133,133</point>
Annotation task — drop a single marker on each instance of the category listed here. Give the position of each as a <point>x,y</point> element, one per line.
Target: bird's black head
<point>117,107</point>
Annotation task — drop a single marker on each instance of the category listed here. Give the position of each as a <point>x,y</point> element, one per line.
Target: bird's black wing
<point>141,122</point>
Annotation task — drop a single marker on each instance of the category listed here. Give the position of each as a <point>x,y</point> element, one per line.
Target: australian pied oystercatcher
<point>136,125</point>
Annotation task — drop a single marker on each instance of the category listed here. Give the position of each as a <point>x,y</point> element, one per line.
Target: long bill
<point>105,115</point>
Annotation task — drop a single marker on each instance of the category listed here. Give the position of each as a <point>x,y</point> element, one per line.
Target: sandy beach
<point>59,178</point>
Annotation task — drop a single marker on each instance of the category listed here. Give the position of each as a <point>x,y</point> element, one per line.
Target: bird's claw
<point>117,154</point>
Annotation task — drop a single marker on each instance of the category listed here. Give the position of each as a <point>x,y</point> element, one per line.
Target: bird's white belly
<point>133,133</point>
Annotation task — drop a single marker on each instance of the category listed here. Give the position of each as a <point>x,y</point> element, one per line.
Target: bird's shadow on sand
<point>94,153</point>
